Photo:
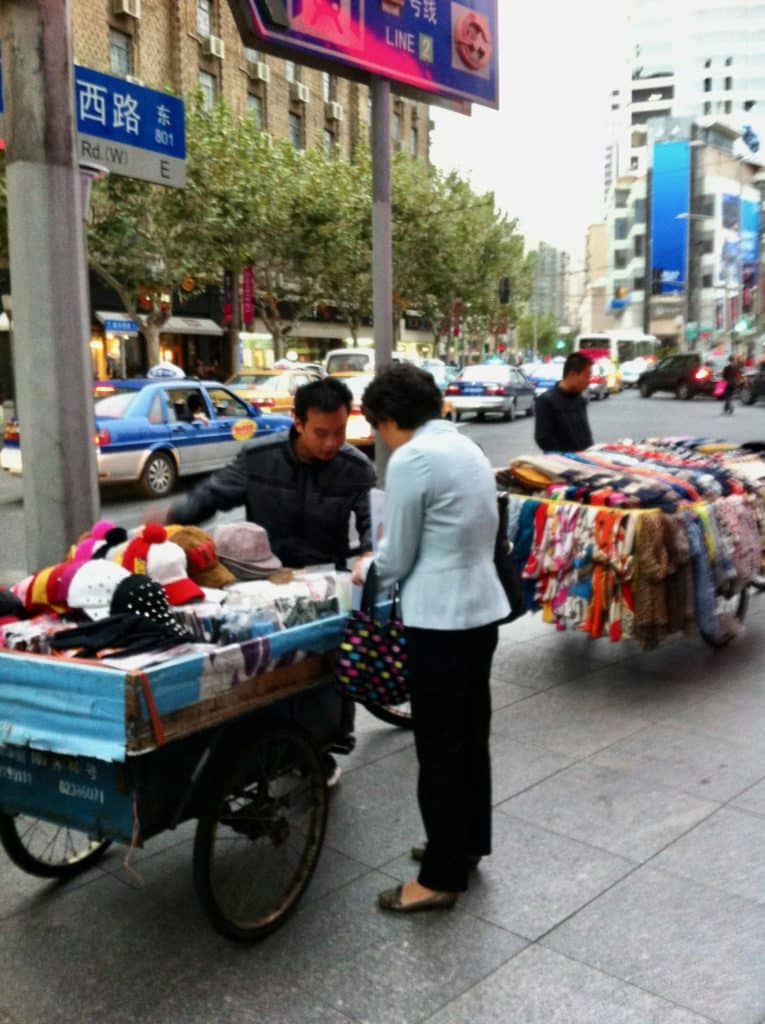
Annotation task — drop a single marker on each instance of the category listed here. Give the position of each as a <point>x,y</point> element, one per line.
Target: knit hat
<point>245,550</point>
<point>201,560</point>
<point>93,586</point>
<point>93,544</point>
<point>150,553</point>
<point>145,597</point>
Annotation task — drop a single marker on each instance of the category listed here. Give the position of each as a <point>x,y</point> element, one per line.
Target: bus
<point>619,346</point>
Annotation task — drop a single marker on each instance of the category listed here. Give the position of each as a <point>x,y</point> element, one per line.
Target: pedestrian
<point>732,376</point>
<point>302,487</point>
<point>561,412</point>
<point>438,544</point>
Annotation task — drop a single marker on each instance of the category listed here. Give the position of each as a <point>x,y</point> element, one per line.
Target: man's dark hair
<point>326,395</point>
<point>402,393</point>
<point>575,363</point>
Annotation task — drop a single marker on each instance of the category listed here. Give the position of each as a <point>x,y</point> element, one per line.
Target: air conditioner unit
<point>260,70</point>
<point>130,7</point>
<point>133,80</point>
<point>299,92</point>
<point>334,110</point>
<point>214,46</point>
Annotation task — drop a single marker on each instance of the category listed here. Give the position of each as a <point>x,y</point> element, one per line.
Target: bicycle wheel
<point>392,714</point>
<point>48,850</point>
<point>730,612</point>
<point>260,834</point>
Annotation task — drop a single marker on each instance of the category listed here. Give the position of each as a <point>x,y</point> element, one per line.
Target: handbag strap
<point>370,592</point>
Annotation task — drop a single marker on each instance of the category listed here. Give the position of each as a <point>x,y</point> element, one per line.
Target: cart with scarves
<point>233,736</point>
<point>640,540</point>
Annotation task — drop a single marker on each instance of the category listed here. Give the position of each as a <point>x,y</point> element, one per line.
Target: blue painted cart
<point>233,736</point>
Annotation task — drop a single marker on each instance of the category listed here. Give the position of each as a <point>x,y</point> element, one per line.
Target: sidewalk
<point>627,884</point>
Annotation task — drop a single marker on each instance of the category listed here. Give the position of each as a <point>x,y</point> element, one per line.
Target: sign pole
<point>49,280</point>
<point>382,246</point>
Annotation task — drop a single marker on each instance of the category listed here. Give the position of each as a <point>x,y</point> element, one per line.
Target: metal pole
<point>382,246</point>
<point>49,279</point>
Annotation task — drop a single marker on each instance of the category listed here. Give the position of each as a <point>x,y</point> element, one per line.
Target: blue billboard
<point>441,47</point>
<point>670,206</point>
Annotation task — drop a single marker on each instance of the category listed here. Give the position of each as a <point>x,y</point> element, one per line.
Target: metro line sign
<point>438,48</point>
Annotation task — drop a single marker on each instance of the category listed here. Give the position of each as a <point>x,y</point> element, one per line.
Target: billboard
<point>670,206</point>
<point>444,48</point>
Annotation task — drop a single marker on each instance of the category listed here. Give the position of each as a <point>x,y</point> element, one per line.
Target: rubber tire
<point>740,613</point>
<point>508,415</point>
<point>392,715</point>
<point>684,392</point>
<point>645,391</point>
<point>530,410</point>
<point>457,415</point>
<point>19,853</point>
<point>758,582</point>
<point>204,854</point>
<point>481,416</point>
<point>146,487</point>
<point>747,396</point>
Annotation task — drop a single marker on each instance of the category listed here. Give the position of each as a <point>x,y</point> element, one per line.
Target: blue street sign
<point>439,47</point>
<point>125,326</point>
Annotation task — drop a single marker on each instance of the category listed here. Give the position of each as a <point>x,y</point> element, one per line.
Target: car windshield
<point>253,380</point>
<point>482,373</point>
<point>348,362</point>
<point>114,407</point>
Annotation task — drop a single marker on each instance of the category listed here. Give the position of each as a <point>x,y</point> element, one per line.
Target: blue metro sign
<point>443,48</point>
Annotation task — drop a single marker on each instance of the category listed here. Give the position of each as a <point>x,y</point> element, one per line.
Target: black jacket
<point>304,507</point>
<point>561,421</point>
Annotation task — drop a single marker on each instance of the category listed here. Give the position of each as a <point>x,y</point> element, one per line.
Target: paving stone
<point>740,719</point>
<point>625,815</point>
<point>572,722</point>
<point>753,799</point>
<point>21,892</point>
<point>516,765</point>
<point>706,766</point>
<point>725,851</point>
<point>503,693</point>
<point>542,987</point>
<point>693,945</point>
<point>374,741</point>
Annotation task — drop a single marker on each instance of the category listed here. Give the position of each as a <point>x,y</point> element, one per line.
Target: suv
<point>686,374</point>
<point>753,386</point>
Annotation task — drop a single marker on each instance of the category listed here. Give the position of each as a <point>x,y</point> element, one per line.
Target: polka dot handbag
<point>370,666</point>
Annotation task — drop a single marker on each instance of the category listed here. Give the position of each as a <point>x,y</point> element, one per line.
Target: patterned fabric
<point>371,661</point>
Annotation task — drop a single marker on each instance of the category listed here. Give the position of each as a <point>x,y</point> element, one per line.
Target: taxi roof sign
<point>437,48</point>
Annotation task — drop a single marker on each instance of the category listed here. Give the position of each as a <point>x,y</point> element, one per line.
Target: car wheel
<point>645,390</point>
<point>748,396</point>
<point>480,416</point>
<point>457,415</point>
<point>683,391</point>
<point>509,414</point>
<point>159,475</point>
<point>530,410</point>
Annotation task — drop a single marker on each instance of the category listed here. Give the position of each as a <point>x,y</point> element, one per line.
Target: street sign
<point>441,48</point>
<point>133,131</point>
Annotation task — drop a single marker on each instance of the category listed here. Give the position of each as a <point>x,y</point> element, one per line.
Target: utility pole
<point>49,286</point>
<point>382,245</point>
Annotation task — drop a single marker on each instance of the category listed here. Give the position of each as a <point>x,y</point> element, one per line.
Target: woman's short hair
<point>403,393</point>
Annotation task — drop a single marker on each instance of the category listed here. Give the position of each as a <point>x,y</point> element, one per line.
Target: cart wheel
<point>758,582</point>
<point>730,612</point>
<point>48,850</point>
<point>392,714</point>
<point>260,834</point>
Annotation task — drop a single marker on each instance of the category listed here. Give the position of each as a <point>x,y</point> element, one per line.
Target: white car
<point>631,370</point>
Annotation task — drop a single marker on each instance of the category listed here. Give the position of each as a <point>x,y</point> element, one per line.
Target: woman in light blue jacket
<point>440,529</point>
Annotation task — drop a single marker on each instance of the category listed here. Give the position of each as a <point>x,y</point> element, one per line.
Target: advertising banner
<point>445,48</point>
<point>670,197</point>
<point>750,255</point>
<point>248,296</point>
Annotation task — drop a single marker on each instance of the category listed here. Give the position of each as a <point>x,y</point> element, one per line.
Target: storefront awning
<point>190,325</point>
<point>117,323</point>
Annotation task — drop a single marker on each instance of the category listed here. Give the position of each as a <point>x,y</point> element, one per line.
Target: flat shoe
<point>418,854</point>
<point>390,899</point>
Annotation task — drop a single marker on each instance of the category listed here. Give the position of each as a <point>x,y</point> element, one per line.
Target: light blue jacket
<point>440,527</point>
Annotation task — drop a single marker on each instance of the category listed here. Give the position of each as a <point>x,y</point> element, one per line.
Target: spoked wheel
<point>392,714</point>
<point>260,834</point>
<point>758,582</point>
<point>48,850</point>
<point>730,612</point>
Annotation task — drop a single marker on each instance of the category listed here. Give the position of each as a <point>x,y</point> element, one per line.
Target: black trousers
<point>451,711</point>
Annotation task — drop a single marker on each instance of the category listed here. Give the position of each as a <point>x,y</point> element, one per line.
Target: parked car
<point>492,388</point>
<point>599,387</point>
<point>685,374</point>
<point>442,374</point>
<point>631,370</point>
<point>270,390</point>
<point>753,385</point>
<point>147,433</point>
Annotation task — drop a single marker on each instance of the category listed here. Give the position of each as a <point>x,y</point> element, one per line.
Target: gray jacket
<point>440,527</point>
<point>304,507</point>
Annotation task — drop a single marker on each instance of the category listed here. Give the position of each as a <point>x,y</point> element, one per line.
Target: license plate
<point>472,391</point>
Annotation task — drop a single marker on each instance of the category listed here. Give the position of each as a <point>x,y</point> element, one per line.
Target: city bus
<point>618,346</point>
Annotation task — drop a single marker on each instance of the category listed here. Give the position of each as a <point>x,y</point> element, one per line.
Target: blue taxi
<point>150,432</point>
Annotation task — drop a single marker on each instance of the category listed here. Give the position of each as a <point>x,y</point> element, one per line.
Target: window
<point>296,130</point>
<point>329,141</point>
<point>415,139</point>
<point>253,56</point>
<point>634,163</point>
<point>620,259</point>
<point>728,106</point>
<point>326,87</point>
<point>120,53</point>
<point>707,245</point>
<point>728,82</point>
<point>707,281</point>
<point>707,107</point>
<point>622,196</point>
<point>621,227</point>
<point>638,284</point>
<point>225,404</point>
<point>255,109</point>
<point>638,211</point>
<point>204,18</point>
<point>207,85</point>
<point>638,248</point>
<point>707,85</point>
<point>708,62</point>
<point>728,61</point>
<point>396,127</point>
<point>289,71</point>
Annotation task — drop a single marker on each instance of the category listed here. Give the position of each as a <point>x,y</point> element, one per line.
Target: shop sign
<point>437,47</point>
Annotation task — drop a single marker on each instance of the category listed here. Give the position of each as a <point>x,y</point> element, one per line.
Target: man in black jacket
<point>302,487</point>
<point>561,413</point>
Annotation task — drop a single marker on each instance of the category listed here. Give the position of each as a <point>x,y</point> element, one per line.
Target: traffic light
<point>504,291</point>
